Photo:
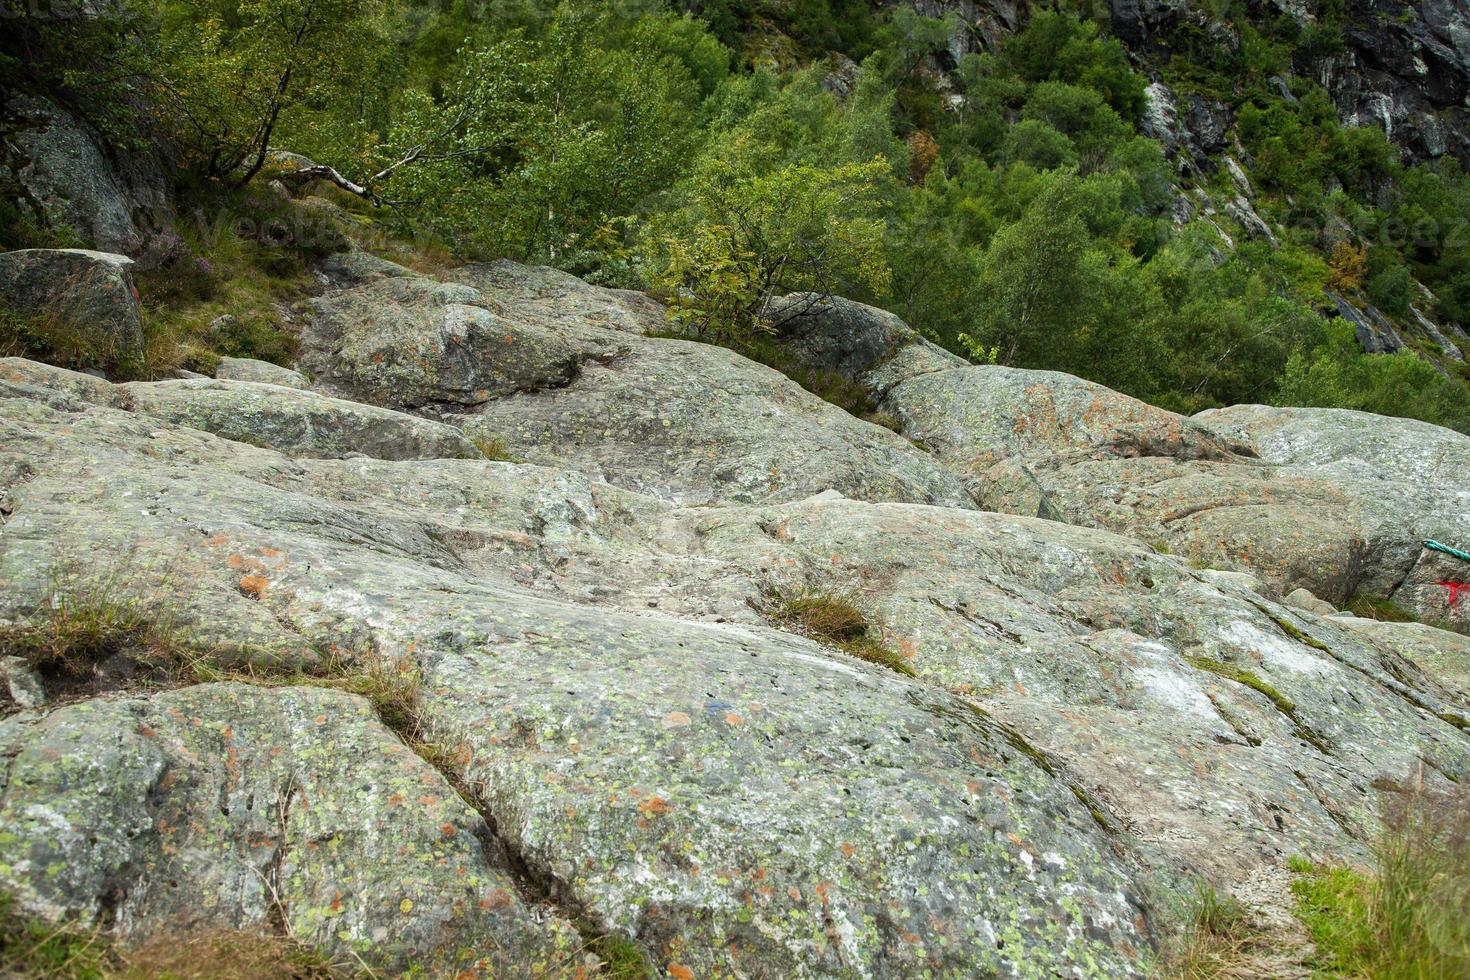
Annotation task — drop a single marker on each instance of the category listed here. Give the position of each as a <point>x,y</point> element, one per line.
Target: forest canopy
<point>721,153</point>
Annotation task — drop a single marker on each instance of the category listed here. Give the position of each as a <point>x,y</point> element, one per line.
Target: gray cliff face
<point>610,738</point>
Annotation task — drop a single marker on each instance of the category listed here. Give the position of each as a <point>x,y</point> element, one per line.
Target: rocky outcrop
<point>72,178</point>
<point>561,373</point>
<point>719,794</point>
<point>89,295</point>
<point>299,423</point>
<point>1334,502</point>
<point>267,806</point>
<point>629,751</point>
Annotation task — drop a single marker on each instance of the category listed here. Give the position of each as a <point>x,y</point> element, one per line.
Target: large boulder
<point>555,371</point>
<point>698,424</point>
<point>415,343</point>
<point>85,302</point>
<point>115,199</point>
<point>232,806</point>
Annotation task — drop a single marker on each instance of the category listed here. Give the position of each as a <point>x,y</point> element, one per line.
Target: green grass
<point>35,950</point>
<point>1411,919</point>
<point>838,621</point>
<point>88,618</point>
<point>494,448</point>
<point>1373,607</point>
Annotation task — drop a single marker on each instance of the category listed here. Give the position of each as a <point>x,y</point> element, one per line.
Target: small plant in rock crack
<point>90,620</point>
<point>837,620</point>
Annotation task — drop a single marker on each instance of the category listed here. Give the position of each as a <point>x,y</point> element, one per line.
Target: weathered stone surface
<point>229,806</point>
<point>1305,601</point>
<point>974,417</point>
<point>296,422</point>
<point>411,342</point>
<point>1094,722</point>
<point>261,372</point>
<point>114,199</point>
<point>355,267</point>
<point>836,335</point>
<point>697,424</point>
<point>725,796</point>
<point>561,300</point>
<point>1439,653</point>
<point>92,292</point>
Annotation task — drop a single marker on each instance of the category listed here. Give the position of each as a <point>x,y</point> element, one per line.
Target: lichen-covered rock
<point>697,423</point>
<point>298,423</point>
<point>260,372</point>
<point>832,334</point>
<point>411,342</point>
<point>976,416</point>
<point>726,797</point>
<point>231,806</point>
<point>91,294</point>
<point>113,198</point>
<point>561,301</point>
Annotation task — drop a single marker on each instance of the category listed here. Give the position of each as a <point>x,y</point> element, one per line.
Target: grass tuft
<point>1409,919</point>
<point>838,621</point>
<point>494,448</point>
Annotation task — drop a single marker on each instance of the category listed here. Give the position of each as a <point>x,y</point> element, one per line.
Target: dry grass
<point>34,950</point>
<point>837,620</point>
<point>57,337</point>
<point>91,623</point>
<point>1407,919</point>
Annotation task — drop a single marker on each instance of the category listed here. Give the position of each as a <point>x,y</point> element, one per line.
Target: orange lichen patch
<point>320,720</point>
<point>254,586</point>
<point>848,850</point>
<point>498,899</point>
<point>242,563</point>
<point>676,719</point>
<point>654,806</point>
<point>269,552</point>
<point>824,888</point>
<point>731,718</point>
<point>793,893</point>
<point>397,799</point>
<point>427,800</point>
<point>680,972</point>
<point>448,829</point>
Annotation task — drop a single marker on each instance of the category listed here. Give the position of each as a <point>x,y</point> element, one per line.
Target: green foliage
<point>63,340</point>
<point>1336,374</point>
<point>232,69</point>
<point>551,137</point>
<point>1025,223</point>
<point>744,238</point>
